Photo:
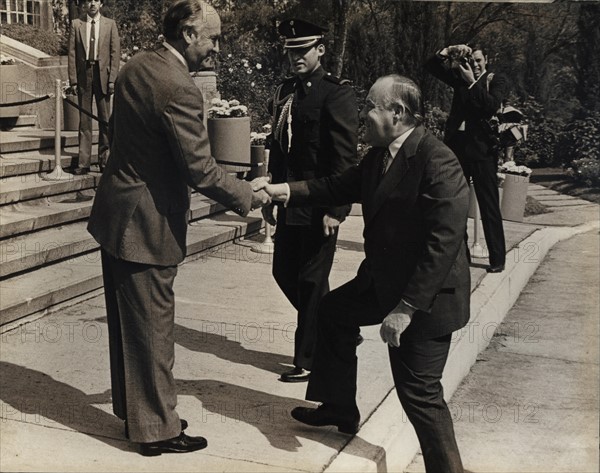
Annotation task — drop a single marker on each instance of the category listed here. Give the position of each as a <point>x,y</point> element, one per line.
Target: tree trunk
<point>340,33</point>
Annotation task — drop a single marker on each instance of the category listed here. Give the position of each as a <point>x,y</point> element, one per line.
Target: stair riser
<point>33,143</point>
<point>73,184</point>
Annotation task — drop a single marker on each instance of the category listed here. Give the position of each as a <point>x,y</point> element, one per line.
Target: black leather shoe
<point>181,444</point>
<point>184,425</point>
<point>346,420</point>
<point>81,171</point>
<point>295,375</point>
<point>359,339</point>
<point>498,268</point>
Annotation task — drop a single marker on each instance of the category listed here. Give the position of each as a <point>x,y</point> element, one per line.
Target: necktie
<point>92,50</point>
<point>385,161</point>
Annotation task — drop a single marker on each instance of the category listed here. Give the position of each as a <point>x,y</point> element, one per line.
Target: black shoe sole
<point>343,427</point>
<point>299,379</point>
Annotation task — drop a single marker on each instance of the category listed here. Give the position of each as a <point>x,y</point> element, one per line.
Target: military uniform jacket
<point>324,123</point>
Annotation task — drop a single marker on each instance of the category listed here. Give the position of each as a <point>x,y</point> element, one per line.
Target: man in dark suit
<point>415,277</point>
<point>94,55</point>
<point>159,147</point>
<point>478,94</point>
<point>315,125</point>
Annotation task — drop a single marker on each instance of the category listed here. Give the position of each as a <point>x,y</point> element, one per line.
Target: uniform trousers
<point>485,181</point>
<point>417,367</point>
<point>86,93</point>
<point>140,308</point>
<point>302,261</point>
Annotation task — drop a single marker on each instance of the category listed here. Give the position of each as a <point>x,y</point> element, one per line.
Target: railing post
<point>57,173</point>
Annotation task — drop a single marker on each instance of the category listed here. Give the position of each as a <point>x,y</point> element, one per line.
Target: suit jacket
<point>159,147</point>
<point>473,106</point>
<point>109,52</point>
<point>415,221</point>
<point>324,137</point>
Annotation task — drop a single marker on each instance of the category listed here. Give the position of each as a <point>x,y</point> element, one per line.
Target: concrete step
<point>32,250</point>
<point>15,141</point>
<point>32,186</point>
<point>27,121</point>
<point>36,291</point>
<point>39,161</point>
<point>34,215</point>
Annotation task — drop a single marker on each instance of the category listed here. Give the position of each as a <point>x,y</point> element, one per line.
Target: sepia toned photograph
<point>300,236</point>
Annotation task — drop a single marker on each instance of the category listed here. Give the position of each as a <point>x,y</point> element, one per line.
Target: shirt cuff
<point>288,192</point>
<point>409,305</point>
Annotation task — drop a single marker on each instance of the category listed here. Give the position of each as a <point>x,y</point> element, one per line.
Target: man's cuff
<point>409,305</point>
<point>288,193</point>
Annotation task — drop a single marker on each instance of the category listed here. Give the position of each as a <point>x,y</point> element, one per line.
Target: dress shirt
<point>395,146</point>
<point>88,32</point>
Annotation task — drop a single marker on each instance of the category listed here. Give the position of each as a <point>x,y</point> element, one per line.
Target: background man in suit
<point>94,55</point>
<point>477,96</point>
<point>159,146</point>
<point>315,122</point>
<point>414,279</point>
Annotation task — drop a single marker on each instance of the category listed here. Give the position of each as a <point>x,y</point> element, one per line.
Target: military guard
<point>315,122</point>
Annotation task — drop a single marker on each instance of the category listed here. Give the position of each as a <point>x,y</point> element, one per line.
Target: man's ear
<point>321,50</point>
<point>189,34</point>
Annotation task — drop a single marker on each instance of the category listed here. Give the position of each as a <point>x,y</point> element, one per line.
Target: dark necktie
<point>385,161</point>
<point>92,50</point>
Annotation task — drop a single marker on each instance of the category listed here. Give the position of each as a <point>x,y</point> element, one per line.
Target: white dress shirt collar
<point>96,18</point>
<point>176,53</point>
<point>395,145</point>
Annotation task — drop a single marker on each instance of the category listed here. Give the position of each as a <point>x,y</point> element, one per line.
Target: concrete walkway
<point>234,335</point>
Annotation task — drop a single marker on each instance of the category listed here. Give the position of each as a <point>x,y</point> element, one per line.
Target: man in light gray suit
<point>94,55</point>
<point>159,147</point>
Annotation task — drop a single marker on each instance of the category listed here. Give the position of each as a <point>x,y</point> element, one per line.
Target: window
<point>20,11</point>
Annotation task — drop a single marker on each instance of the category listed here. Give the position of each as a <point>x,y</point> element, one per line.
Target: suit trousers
<point>302,261</point>
<point>485,181</point>
<point>140,308</point>
<point>87,92</point>
<point>417,367</point>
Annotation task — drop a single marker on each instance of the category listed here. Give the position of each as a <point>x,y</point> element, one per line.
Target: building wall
<point>33,12</point>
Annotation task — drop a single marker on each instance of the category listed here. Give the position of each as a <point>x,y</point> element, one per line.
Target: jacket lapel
<point>396,172</point>
<point>83,35</point>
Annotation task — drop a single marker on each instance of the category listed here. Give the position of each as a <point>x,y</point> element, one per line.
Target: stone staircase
<point>47,258</point>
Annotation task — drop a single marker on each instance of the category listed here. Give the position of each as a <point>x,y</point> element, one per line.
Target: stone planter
<point>230,141</point>
<point>258,161</point>
<point>9,74</point>
<point>514,197</point>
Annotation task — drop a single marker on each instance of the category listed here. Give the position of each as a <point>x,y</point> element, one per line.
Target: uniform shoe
<point>495,268</point>
<point>184,425</point>
<point>295,375</point>
<point>346,419</point>
<point>181,444</point>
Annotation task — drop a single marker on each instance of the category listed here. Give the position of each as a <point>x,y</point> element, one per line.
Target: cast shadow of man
<point>210,341</point>
<point>270,414</point>
<point>34,396</point>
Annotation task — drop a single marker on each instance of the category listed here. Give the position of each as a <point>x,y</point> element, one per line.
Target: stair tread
<point>32,186</point>
<point>30,292</point>
<point>22,140</point>
<point>22,217</point>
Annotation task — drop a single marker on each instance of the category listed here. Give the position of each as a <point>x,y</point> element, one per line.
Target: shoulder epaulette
<point>336,80</point>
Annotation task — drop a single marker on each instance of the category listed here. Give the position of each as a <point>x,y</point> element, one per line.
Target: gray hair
<point>183,15</point>
<point>403,94</point>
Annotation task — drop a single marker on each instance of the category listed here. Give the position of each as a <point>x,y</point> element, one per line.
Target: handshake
<point>265,193</point>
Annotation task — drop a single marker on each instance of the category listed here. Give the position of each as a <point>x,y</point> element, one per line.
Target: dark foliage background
<point>551,52</point>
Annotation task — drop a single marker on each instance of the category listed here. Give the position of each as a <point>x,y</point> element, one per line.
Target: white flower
<point>135,48</point>
<point>252,84</point>
<point>234,103</point>
<point>249,71</point>
<point>215,101</point>
<point>229,55</point>
<point>259,66</point>
<point>230,69</point>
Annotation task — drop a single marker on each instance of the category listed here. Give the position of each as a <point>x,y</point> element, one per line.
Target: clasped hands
<point>264,193</point>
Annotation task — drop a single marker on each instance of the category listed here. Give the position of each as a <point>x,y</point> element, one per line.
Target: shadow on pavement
<point>34,397</point>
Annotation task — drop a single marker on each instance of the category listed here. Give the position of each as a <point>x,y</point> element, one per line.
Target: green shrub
<point>435,120</point>
<point>46,41</point>
<point>579,144</point>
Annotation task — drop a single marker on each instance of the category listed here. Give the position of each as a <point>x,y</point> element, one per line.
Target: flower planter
<point>257,158</point>
<point>10,80</point>
<point>514,197</point>
<point>230,141</point>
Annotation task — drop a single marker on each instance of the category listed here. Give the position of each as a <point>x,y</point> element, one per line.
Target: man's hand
<point>259,199</point>
<point>268,215</point>
<point>72,90</point>
<point>111,88</point>
<point>395,323</point>
<point>330,225</point>
<point>466,72</point>
<point>277,192</point>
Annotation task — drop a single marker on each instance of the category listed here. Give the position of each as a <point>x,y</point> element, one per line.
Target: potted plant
<point>258,153</point>
<point>10,88</point>
<point>228,127</point>
<point>514,181</point>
